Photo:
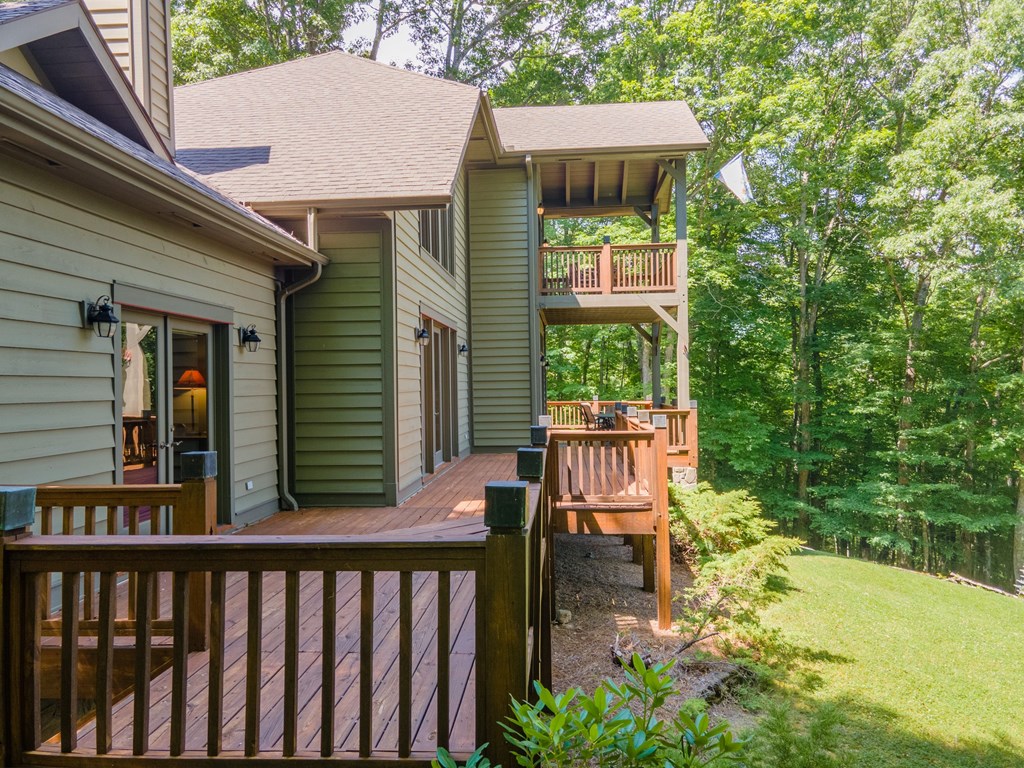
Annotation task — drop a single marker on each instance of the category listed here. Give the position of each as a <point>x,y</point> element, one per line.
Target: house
<point>379,230</point>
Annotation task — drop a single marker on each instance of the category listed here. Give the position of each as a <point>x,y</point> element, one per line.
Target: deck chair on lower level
<point>595,421</point>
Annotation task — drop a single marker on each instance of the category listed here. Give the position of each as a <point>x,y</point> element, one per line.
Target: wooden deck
<point>450,505</point>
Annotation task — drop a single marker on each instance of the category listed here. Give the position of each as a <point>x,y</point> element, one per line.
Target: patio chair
<point>595,421</point>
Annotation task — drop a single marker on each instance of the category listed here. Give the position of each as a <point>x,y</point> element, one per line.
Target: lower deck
<point>450,506</point>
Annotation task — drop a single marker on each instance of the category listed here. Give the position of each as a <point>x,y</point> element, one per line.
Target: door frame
<point>442,348</point>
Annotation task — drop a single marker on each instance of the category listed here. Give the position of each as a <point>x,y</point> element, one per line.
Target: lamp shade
<point>191,379</point>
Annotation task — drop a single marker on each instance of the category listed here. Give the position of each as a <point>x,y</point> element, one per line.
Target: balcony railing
<point>608,269</point>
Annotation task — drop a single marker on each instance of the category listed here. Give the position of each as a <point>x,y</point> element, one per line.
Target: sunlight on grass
<point>929,673</point>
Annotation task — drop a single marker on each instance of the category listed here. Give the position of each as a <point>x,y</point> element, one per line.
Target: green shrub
<point>782,743</point>
<point>616,727</point>
<point>737,561</point>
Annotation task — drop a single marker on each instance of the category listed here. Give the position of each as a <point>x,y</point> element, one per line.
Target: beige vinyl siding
<point>423,285</point>
<point>499,291</point>
<point>338,376</point>
<point>113,19</point>
<point>15,59</point>
<point>138,34</point>
<point>61,244</point>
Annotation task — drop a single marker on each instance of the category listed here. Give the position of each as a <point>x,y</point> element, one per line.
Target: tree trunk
<point>907,400</point>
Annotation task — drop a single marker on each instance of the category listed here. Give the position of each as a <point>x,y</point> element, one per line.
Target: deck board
<point>452,501</point>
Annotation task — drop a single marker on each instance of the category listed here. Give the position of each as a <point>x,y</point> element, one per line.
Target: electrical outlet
<point>249,485</point>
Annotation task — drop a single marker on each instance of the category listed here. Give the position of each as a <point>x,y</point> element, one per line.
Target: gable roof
<point>69,55</point>
<point>659,127</point>
<point>333,128</point>
<point>35,120</point>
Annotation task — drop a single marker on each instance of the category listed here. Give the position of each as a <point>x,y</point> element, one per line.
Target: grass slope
<point>929,673</point>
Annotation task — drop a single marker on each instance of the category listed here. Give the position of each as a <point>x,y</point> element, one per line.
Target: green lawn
<point>929,673</point>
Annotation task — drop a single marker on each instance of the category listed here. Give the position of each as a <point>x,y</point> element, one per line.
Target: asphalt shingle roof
<point>12,11</point>
<point>333,127</point>
<point>655,126</point>
<point>35,94</point>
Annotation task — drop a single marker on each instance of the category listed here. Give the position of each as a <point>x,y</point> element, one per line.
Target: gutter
<point>283,420</point>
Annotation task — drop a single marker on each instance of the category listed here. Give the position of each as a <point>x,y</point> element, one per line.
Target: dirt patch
<point>598,583</point>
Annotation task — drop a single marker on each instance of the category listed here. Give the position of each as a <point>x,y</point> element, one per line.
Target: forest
<point>857,331</point>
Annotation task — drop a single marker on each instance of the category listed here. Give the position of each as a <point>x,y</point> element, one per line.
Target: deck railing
<point>607,269</point>
<point>567,413</point>
<point>289,586</point>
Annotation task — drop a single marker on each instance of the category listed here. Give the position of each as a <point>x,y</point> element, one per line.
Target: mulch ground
<point>598,583</point>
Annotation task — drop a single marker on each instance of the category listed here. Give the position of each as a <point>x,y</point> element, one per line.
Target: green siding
<point>338,369</point>
<point>61,243</point>
<point>500,308</point>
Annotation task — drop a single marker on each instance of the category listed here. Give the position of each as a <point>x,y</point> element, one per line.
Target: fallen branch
<point>958,579</point>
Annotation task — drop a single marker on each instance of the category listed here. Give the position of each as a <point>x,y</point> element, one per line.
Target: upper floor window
<point>436,236</point>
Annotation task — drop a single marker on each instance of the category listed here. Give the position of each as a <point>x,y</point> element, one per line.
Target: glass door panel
<point>190,401</point>
<point>142,411</point>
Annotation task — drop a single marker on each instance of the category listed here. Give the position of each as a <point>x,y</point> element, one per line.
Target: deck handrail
<point>607,269</point>
<point>507,566</point>
<point>566,413</point>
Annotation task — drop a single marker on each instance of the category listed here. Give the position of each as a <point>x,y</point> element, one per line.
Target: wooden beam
<point>643,215</point>
<point>673,171</point>
<point>661,312</point>
<point>595,183</point>
<point>625,177</point>
<point>662,178</point>
<point>568,186</point>
<point>643,332</point>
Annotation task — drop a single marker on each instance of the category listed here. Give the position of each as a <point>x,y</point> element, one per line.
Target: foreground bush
<point>616,727</point>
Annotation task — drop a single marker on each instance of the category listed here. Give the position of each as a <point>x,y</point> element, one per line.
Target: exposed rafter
<point>568,186</point>
<point>625,180</point>
<point>596,182</point>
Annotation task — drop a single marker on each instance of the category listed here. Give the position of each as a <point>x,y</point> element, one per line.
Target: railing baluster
<point>70,585</point>
<point>328,654</point>
<point>179,661</point>
<point>67,520</point>
<point>105,662</point>
<point>88,610</point>
<point>143,662</point>
<point>291,662</point>
<point>444,621</point>
<point>215,725</point>
<point>366,663</point>
<point>405,664</point>
<point>253,663</point>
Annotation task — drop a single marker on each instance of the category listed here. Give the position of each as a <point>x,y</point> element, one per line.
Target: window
<point>436,237</point>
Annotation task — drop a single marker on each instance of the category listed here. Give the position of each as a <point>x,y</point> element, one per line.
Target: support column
<point>682,290</point>
<point>656,364</point>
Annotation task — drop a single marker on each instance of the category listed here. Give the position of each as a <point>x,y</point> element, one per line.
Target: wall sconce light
<point>544,361</point>
<point>463,349</point>
<point>423,336</point>
<point>248,338</point>
<point>100,315</point>
<point>540,209</point>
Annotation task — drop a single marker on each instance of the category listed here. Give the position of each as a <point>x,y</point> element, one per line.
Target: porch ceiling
<point>601,186</point>
<point>601,310</point>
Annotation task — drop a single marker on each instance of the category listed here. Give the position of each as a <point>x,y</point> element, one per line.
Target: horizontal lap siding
<point>500,308</point>
<point>60,244</point>
<point>338,374</point>
<point>422,282</point>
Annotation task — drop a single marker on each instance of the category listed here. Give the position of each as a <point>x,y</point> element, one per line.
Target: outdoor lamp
<point>463,349</point>
<point>540,209</point>
<point>248,338</point>
<point>423,336</point>
<point>100,315</point>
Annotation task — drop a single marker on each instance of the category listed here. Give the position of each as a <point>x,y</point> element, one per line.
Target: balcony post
<point>196,515</point>
<point>682,276</point>
<point>605,266</point>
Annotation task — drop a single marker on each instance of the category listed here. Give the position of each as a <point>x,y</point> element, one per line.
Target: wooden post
<point>17,512</point>
<point>682,291</point>
<point>661,534</point>
<point>656,365</point>
<point>505,668</point>
<point>196,514</point>
<point>605,266</point>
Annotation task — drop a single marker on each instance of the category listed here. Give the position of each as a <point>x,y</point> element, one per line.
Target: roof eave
<point>362,205</point>
<point>650,151</point>
<point>77,149</point>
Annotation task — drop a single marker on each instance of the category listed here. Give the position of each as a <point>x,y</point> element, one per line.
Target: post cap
<point>530,463</point>
<point>538,435</point>
<point>607,239</point>
<point>198,465</point>
<point>505,504</point>
<point>17,507</point>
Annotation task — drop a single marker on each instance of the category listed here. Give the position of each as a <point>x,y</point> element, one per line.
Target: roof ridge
<point>335,53</point>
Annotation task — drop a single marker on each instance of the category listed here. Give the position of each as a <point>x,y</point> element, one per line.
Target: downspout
<point>283,293</point>
<point>536,407</point>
